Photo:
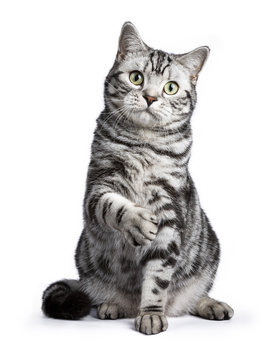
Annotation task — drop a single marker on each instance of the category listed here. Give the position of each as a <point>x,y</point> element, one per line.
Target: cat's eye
<point>136,77</point>
<point>171,88</point>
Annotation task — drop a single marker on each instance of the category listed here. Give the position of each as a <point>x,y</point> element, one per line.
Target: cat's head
<point>150,87</point>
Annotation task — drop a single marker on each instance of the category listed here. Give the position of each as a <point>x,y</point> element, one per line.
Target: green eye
<point>171,88</point>
<point>136,77</point>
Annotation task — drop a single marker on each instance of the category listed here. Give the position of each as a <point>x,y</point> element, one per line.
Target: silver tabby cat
<point>147,249</point>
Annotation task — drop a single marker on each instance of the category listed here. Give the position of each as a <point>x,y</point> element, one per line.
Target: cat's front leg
<point>158,264</point>
<point>137,224</point>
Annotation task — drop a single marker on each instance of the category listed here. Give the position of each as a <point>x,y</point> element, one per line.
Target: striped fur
<point>147,248</point>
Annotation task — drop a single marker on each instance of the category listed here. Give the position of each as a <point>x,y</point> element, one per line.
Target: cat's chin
<point>144,119</point>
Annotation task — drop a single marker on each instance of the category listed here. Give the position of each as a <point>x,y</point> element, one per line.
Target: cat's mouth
<point>146,118</point>
<point>147,110</point>
<point>154,114</point>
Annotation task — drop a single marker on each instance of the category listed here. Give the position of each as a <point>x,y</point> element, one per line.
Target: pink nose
<point>150,99</point>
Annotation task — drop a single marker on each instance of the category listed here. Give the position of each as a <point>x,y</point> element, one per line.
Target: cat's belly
<point>110,271</point>
<point>125,292</point>
<point>122,289</point>
<point>116,278</point>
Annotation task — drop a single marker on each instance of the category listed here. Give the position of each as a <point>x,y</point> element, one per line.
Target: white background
<point>54,56</point>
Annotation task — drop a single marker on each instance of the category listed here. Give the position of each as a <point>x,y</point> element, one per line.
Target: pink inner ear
<point>120,55</point>
<point>194,78</point>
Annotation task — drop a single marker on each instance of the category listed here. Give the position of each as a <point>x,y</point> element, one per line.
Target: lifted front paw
<point>150,323</point>
<point>140,226</point>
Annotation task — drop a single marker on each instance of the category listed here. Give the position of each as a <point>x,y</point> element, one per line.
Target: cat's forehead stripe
<point>159,61</point>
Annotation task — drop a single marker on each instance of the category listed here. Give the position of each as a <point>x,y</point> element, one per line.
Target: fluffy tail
<point>64,300</point>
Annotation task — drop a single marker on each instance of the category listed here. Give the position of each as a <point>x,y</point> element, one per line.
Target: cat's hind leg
<point>212,309</point>
<point>65,300</point>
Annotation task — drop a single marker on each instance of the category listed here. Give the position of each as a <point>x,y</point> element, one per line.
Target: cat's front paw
<point>139,226</point>
<point>150,323</point>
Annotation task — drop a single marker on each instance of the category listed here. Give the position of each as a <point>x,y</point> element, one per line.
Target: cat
<point>147,249</point>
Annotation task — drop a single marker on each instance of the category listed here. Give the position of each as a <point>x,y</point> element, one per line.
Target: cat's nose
<point>150,99</point>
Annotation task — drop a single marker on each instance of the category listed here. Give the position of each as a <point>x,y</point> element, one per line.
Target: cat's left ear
<point>129,41</point>
<point>194,61</point>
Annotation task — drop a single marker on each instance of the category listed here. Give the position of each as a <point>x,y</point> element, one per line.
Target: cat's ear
<point>129,41</point>
<point>194,61</point>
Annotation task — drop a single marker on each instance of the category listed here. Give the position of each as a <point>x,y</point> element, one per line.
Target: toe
<point>156,324</point>
<point>102,311</point>
<point>146,325</point>
<point>138,323</point>
<point>219,312</point>
<point>164,322</point>
<point>113,312</point>
<point>228,311</point>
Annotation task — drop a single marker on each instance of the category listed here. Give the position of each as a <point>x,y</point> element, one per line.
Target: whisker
<point>113,113</point>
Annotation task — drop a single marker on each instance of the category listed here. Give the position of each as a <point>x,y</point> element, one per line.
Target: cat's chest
<point>146,168</point>
<point>149,177</point>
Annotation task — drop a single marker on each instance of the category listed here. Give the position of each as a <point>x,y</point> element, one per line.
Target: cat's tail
<point>65,300</point>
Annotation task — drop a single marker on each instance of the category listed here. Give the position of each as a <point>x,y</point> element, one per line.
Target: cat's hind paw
<point>212,309</point>
<point>109,312</point>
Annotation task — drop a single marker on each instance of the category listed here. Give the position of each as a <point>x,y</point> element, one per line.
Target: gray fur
<point>147,248</point>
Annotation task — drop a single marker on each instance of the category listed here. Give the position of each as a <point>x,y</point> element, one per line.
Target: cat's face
<point>150,87</point>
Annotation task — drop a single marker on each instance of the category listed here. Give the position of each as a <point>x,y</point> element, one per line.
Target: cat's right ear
<point>129,41</point>
<point>194,61</point>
